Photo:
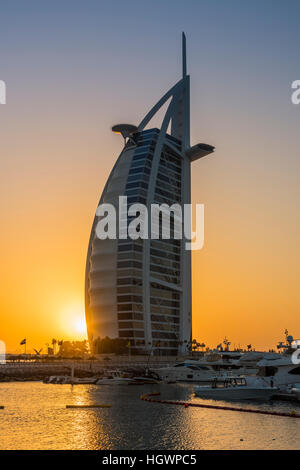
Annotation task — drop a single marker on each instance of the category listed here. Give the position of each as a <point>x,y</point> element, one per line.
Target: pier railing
<point>92,366</point>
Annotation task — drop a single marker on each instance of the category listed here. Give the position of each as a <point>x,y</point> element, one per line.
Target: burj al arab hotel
<point>140,290</point>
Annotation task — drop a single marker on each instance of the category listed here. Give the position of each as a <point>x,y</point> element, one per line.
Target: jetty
<point>29,370</point>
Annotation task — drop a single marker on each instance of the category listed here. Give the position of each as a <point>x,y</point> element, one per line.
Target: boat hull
<point>114,381</point>
<point>235,393</point>
<point>296,391</point>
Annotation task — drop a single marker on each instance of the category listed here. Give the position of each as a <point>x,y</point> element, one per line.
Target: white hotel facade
<point>140,290</point>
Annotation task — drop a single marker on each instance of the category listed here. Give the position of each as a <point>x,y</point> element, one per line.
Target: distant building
<point>141,290</point>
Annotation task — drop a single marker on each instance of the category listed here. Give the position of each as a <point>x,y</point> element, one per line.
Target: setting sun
<point>73,321</point>
<point>80,326</point>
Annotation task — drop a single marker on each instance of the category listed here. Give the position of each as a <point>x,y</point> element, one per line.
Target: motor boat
<point>219,365</point>
<point>144,380</point>
<point>296,391</point>
<point>66,379</point>
<point>56,379</point>
<point>83,380</point>
<point>282,370</point>
<point>115,377</point>
<point>188,372</point>
<point>211,366</point>
<point>236,389</point>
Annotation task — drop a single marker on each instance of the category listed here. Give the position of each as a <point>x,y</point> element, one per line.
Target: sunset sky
<point>72,70</point>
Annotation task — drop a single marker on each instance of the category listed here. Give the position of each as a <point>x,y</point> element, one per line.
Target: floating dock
<point>89,406</point>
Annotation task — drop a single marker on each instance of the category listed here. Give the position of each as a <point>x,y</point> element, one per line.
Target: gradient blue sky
<point>74,68</point>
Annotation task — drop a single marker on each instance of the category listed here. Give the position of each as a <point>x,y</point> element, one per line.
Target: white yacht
<point>282,370</point>
<point>241,388</point>
<point>215,365</point>
<point>115,377</point>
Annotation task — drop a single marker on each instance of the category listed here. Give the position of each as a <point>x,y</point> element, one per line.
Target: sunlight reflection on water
<point>35,417</point>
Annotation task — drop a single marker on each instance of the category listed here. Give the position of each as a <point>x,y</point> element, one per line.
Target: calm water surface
<point>35,417</point>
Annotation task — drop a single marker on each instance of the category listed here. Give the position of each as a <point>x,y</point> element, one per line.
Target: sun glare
<point>73,319</point>
<point>80,325</point>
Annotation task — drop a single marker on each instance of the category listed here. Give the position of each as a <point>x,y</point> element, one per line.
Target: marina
<point>217,374</point>
<point>150,262</point>
<point>237,389</point>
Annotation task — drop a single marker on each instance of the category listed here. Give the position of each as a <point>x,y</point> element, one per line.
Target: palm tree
<point>54,341</point>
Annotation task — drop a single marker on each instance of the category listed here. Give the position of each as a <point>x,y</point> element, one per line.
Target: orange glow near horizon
<point>245,279</point>
<point>57,152</point>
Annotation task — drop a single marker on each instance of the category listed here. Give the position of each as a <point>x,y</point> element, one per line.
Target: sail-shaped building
<point>140,290</point>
